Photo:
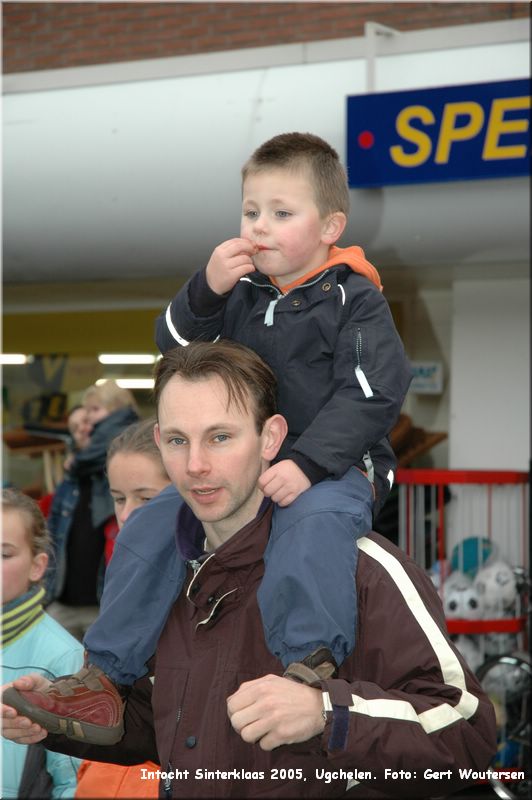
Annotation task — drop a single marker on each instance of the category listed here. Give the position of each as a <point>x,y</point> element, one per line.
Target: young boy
<point>316,315</point>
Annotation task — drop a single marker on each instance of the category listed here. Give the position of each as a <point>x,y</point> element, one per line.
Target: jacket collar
<point>352,257</point>
<point>219,577</point>
<point>240,549</point>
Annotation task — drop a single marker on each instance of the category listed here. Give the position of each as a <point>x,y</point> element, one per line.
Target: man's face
<point>280,216</point>
<point>211,451</point>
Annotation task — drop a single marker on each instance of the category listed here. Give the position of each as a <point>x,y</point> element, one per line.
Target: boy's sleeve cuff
<point>313,471</point>
<point>203,301</point>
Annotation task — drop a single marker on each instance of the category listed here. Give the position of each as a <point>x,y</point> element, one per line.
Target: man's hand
<point>21,729</point>
<point>284,482</point>
<point>229,262</point>
<point>274,711</point>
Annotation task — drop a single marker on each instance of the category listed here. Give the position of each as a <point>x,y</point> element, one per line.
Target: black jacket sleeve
<point>195,313</point>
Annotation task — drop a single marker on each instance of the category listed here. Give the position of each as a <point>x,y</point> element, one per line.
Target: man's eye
<point>176,440</point>
<point>119,501</point>
<point>221,437</point>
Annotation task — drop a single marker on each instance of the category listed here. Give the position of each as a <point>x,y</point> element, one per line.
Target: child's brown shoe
<point>86,706</point>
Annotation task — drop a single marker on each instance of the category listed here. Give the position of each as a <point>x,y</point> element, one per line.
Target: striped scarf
<point>21,614</point>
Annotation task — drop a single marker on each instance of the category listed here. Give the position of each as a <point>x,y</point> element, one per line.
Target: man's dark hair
<point>243,372</point>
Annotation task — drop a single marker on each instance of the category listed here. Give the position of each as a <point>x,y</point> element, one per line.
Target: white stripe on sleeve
<point>171,328</point>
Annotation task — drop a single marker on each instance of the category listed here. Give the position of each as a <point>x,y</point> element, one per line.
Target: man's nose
<point>197,463</point>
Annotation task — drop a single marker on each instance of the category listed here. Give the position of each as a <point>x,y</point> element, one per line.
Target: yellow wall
<point>81,332</point>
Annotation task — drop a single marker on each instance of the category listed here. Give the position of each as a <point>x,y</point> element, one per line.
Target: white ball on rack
<point>460,598</point>
<point>495,585</point>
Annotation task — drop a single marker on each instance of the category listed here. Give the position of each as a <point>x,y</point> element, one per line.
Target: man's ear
<point>273,433</point>
<point>38,567</point>
<point>157,435</point>
<point>333,227</point>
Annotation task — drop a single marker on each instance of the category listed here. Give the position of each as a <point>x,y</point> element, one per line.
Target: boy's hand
<point>284,482</point>
<point>229,262</point>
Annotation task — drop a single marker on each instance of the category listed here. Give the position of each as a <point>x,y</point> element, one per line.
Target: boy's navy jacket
<point>332,343</point>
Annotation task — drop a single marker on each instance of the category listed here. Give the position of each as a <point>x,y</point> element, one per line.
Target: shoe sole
<point>65,726</point>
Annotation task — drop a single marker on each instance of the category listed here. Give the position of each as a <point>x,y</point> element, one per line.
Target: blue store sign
<point>447,134</point>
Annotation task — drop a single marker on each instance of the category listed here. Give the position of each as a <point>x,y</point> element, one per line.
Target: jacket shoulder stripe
<point>451,669</point>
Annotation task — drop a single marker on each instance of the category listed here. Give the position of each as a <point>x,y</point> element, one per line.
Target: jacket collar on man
<point>220,575</point>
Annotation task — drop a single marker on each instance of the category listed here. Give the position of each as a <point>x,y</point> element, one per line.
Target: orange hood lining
<point>352,256</point>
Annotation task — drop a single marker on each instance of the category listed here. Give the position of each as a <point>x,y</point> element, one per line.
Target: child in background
<point>136,475</point>
<point>79,429</point>
<point>109,410</point>
<point>31,641</point>
<point>135,471</point>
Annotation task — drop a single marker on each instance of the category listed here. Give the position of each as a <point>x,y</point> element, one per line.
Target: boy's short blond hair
<point>110,395</point>
<point>307,153</point>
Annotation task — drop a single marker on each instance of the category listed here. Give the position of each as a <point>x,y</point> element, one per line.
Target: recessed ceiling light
<point>126,358</point>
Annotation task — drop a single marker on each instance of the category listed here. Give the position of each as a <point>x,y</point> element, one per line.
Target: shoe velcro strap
<point>298,671</point>
<point>318,657</point>
<point>90,677</point>
<point>85,677</point>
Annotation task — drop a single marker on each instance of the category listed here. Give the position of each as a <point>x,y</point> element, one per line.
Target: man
<point>404,715</point>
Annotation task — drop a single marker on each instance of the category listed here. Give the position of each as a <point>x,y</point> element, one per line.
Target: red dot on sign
<point>366,139</point>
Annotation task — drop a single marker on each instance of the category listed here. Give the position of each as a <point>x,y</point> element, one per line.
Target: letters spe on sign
<point>451,131</point>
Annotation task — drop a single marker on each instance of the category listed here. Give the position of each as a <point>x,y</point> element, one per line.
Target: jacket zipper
<point>268,316</point>
<point>168,781</point>
<point>359,372</point>
<point>196,566</point>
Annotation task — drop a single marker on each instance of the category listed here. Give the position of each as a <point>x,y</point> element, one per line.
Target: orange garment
<point>352,256</point>
<point>98,780</point>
